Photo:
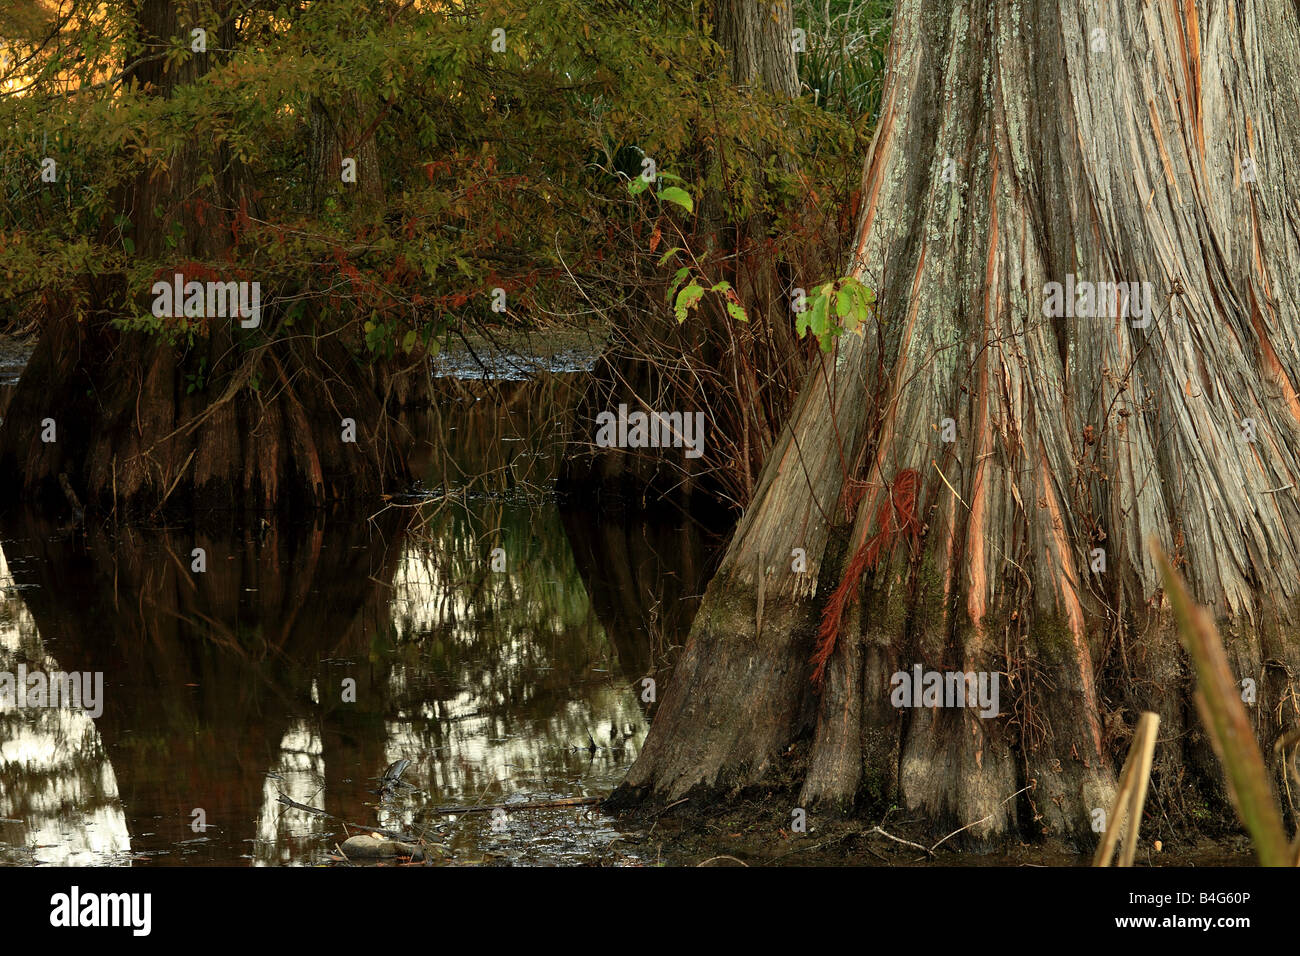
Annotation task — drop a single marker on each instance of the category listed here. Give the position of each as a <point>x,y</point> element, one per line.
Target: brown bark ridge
<point>1118,143</point>
<point>268,429</point>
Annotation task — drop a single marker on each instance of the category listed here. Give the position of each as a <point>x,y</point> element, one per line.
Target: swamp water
<point>226,689</point>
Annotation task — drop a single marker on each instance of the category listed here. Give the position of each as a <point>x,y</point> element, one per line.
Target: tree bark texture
<point>1021,143</point>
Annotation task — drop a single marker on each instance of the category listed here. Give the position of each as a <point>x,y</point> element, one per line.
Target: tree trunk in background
<point>333,134</point>
<point>743,376</point>
<point>128,431</point>
<point>339,133</point>
<point>1114,142</point>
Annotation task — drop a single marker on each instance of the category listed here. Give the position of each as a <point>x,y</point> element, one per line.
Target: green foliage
<point>197,381</point>
<point>844,64</point>
<point>685,298</point>
<point>519,170</point>
<point>842,305</point>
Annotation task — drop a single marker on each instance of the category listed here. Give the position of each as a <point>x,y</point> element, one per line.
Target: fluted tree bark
<point>1023,144</point>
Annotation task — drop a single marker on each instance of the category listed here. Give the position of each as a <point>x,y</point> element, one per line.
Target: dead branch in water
<point>391,834</point>
<point>531,805</point>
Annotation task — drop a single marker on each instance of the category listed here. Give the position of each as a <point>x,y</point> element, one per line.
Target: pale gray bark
<point>1115,156</point>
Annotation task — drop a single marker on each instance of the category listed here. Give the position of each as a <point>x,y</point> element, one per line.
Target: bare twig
<point>391,834</point>
<point>1032,785</point>
<point>890,836</point>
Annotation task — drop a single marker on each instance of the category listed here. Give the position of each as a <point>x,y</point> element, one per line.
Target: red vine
<point>896,516</point>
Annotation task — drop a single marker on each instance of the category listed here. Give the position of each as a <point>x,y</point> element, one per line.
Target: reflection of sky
<point>489,364</point>
<point>54,777</point>
<point>475,754</point>
<point>298,775</point>
<point>503,628</point>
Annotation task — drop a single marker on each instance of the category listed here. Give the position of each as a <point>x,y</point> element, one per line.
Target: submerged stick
<point>531,805</point>
<point>391,834</point>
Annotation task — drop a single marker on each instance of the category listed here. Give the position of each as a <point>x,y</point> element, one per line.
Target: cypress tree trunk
<point>346,132</point>
<point>1020,145</point>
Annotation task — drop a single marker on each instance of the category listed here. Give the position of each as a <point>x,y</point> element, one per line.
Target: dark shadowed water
<point>308,658</point>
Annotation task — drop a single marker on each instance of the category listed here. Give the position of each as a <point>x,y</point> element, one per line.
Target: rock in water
<point>371,846</point>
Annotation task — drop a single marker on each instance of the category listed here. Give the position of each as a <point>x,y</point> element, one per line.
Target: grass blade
<point>1224,716</point>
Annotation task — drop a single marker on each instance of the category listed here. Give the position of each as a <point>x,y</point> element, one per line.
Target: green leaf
<point>737,313</point>
<point>818,322</point>
<point>861,303</point>
<point>129,245</point>
<point>678,278</point>
<point>686,300</point>
<point>637,186</point>
<point>663,260</point>
<point>722,286</point>
<point>675,194</point>
<point>843,302</point>
<point>408,342</point>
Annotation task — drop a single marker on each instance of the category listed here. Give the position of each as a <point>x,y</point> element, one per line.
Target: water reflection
<point>308,658</point>
<point>53,770</point>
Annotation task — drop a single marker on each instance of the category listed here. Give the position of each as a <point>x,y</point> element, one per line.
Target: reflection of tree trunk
<point>354,737</point>
<point>202,672</point>
<point>741,374</point>
<point>497,433</point>
<point>1118,162</point>
<point>644,579</point>
<point>267,425</point>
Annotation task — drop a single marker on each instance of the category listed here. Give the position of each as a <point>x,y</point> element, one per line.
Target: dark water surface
<point>225,689</point>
